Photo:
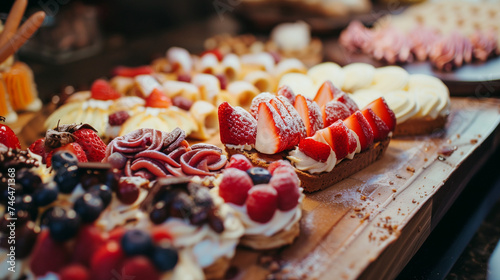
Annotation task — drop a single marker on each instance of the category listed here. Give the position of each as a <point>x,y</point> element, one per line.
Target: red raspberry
<point>118,118</point>
<point>48,255</point>
<point>74,272</point>
<point>262,203</point>
<point>288,191</point>
<point>116,234</point>
<point>240,162</point>
<point>235,185</point>
<point>88,241</point>
<point>107,261</point>
<point>278,163</point>
<point>139,268</point>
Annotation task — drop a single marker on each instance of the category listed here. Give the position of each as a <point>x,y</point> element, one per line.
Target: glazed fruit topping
<point>235,186</point>
<point>358,123</point>
<point>237,126</point>
<point>102,90</point>
<point>262,203</point>
<point>314,149</point>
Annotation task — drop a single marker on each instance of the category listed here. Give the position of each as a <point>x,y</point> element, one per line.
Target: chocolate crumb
<point>413,201</point>
<point>479,135</point>
<point>410,169</point>
<point>399,176</point>
<point>473,141</point>
<point>458,135</point>
<point>363,197</point>
<point>394,190</point>
<point>391,183</point>
<point>352,216</point>
<point>425,159</point>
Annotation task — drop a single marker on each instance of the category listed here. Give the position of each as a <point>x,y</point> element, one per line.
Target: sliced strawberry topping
<point>262,203</point>
<point>88,241</point>
<point>48,255</point>
<point>263,97</point>
<point>38,147</point>
<point>235,186</point>
<point>240,162</point>
<point>8,137</point>
<point>381,109</point>
<point>158,99</point>
<point>353,143</point>
<point>380,129</point>
<point>288,191</point>
<point>132,71</point>
<point>237,126</point>
<point>74,148</point>
<point>347,101</point>
<point>340,139</point>
<point>298,124</point>
<point>334,111</point>
<point>310,114</point>
<point>286,92</point>
<point>273,135</point>
<point>102,90</point>
<point>326,93</point>
<point>358,123</point>
<point>291,124</point>
<point>94,147</point>
<point>314,149</point>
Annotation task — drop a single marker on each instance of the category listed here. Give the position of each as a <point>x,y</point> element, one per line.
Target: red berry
<point>158,99</point>
<point>334,111</point>
<point>74,272</point>
<point>289,171</point>
<point>139,268</point>
<point>262,203</point>
<point>48,255</point>
<point>118,118</point>
<point>128,192</point>
<point>235,185</point>
<point>38,147</point>
<point>102,90</point>
<point>286,92</point>
<point>240,162</point>
<point>116,234</point>
<point>319,151</point>
<point>92,144</point>
<point>106,263</point>
<point>8,137</point>
<point>237,126</point>
<point>132,71</point>
<point>279,163</point>
<point>184,78</point>
<point>288,191</point>
<point>182,102</point>
<point>215,52</point>
<point>88,241</point>
<point>160,233</point>
<point>222,81</point>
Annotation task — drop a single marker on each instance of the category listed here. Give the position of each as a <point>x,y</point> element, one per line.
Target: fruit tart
<point>267,201</point>
<point>315,135</point>
<point>198,220</point>
<point>420,102</point>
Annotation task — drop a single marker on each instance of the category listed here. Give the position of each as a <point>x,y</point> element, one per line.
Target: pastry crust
<point>413,127</point>
<point>218,269</point>
<point>279,239</point>
<point>315,182</point>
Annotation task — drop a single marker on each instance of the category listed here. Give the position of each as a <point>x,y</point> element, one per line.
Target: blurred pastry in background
<point>330,8</point>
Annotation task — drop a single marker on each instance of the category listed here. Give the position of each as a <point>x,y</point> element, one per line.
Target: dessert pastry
<point>420,102</point>
<point>267,201</point>
<point>288,40</point>
<point>198,221</point>
<point>321,133</point>
<point>468,33</point>
<point>151,154</point>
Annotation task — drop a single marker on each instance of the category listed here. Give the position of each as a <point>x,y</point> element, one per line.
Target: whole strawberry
<point>8,137</point>
<point>94,147</point>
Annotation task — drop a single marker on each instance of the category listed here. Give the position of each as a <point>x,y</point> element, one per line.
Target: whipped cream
<point>244,147</point>
<point>97,104</point>
<point>303,162</point>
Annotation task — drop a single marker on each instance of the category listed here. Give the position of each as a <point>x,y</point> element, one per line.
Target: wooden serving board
<point>371,224</point>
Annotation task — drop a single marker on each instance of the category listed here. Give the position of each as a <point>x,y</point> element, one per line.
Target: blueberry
<point>164,257</point>
<point>47,215</point>
<point>28,180</point>
<point>46,194</point>
<point>181,206</point>
<point>63,159</point>
<point>67,178</point>
<point>159,213</point>
<point>102,191</point>
<point>136,242</point>
<point>259,175</point>
<point>63,224</point>
<point>88,207</point>
<point>27,204</point>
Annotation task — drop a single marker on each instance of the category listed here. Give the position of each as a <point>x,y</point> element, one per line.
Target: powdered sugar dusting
<point>334,111</point>
<point>297,120</point>
<point>262,97</point>
<point>315,117</point>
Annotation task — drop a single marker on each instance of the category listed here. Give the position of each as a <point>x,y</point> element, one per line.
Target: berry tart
<point>267,201</point>
<point>420,103</point>
<point>315,135</point>
<point>198,221</point>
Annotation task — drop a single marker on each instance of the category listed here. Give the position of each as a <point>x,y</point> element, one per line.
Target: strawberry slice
<point>38,147</point>
<point>74,148</point>
<point>347,101</point>
<point>326,93</point>
<point>292,125</point>
<point>102,90</point>
<point>381,109</point>
<point>334,111</point>
<point>314,149</point>
<point>298,124</point>
<point>263,97</point>
<point>158,99</point>
<point>132,71</point>
<point>358,123</point>
<point>310,114</point>
<point>380,129</point>
<point>353,144</point>
<point>215,52</point>
<point>91,143</point>
<point>286,92</point>
<point>237,126</point>
<point>340,139</point>
<point>48,255</point>
<point>273,135</point>
<point>8,137</point>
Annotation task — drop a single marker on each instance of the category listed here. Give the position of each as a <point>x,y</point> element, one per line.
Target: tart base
<point>315,182</point>
<point>281,238</point>
<point>420,126</point>
<point>218,269</point>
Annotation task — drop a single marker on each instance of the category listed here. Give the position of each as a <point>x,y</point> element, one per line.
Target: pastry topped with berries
<point>315,135</point>
<point>267,201</point>
<point>198,220</point>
